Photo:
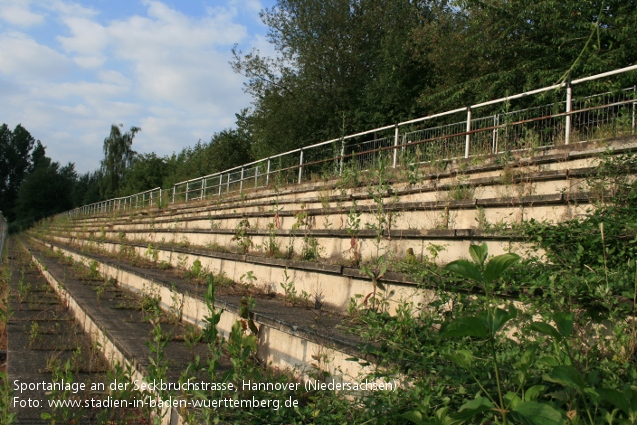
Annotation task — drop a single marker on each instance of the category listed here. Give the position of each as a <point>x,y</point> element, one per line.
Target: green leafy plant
<point>6,416</point>
<point>242,237</point>
<point>289,290</point>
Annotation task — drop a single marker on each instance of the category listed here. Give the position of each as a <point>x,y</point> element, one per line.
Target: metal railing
<point>148,198</point>
<point>494,127</point>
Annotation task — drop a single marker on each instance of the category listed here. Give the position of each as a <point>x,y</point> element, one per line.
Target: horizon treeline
<point>344,66</point>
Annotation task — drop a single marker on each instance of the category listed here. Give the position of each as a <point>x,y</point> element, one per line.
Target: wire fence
<point>508,124</point>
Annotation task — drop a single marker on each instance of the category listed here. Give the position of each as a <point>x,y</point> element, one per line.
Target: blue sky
<point>70,69</point>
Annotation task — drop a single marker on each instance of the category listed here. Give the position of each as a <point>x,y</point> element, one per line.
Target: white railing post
<point>395,146</point>
<point>301,166</point>
<point>203,189</point>
<point>228,184</point>
<point>496,121</point>
<point>267,175</point>
<point>256,176</point>
<point>187,186</point>
<point>241,182</point>
<point>174,190</point>
<point>220,183</point>
<point>340,171</point>
<point>569,99</point>
<point>634,108</point>
<point>468,138</point>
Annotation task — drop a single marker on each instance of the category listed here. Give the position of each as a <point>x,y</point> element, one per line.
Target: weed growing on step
<point>34,333</point>
<point>241,236</point>
<point>271,245</point>
<point>248,279</point>
<point>410,160</point>
<point>158,365</point>
<point>353,228</point>
<point>6,399</point>
<point>152,253</point>
<point>381,225</point>
<point>289,290</point>
<point>62,412</point>
<point>149,301</point>
<point>461,190</point>
<point>94,270</point>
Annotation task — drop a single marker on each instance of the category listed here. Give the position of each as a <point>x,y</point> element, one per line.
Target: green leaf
<point>545,329</point>
<point>564,323</point>
<point>500,317</point>
<point>465,326</point>
<point>463,358</point>
<point>527,358</point>
<point>534,413</point>
<point>616,398</point>
<point>497,265</point>
<point>534,392</point>
<point>566,376</point>
<point>479,253</point>
<point>465,269</point>
<point>549,361</point>
<point>414,416</point>
<point>473,408</point>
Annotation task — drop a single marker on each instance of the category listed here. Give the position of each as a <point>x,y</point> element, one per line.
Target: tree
<point>342,65</point>
<point>48,189</point>
<point>118,156</point>
<point>15,163</point>
<point>485,49</point>
<point>147,171</point>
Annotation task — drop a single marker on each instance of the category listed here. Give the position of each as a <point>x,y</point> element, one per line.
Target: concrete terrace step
<point>336,247</point>
<point>407,215</point>
<point>574,162</point>
<point>290,337</point>
<point>43,335</point>
<point>334,285</point>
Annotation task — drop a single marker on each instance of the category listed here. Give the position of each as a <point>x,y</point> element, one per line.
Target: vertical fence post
<point>203,189</point>
<point>634,108</point>
<point>256,176</point>
<point>228,184</point>
<point>160,193</point>
<point>496,121</point>
<point>395,146</point>
<point>267,175</point>
<point>3,234</point>
<point>301,167</point>
<point>468,139</point>
<point>187,186</point>
<point>220,183</point>
<point>174,190</point>
<point>569,99</point>
<point>241,182</point>
<point>340,171</point>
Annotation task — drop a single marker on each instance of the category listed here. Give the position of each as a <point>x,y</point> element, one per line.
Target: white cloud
<point>16,12</point>
<point>162,70</point>
<point>23,57</point>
